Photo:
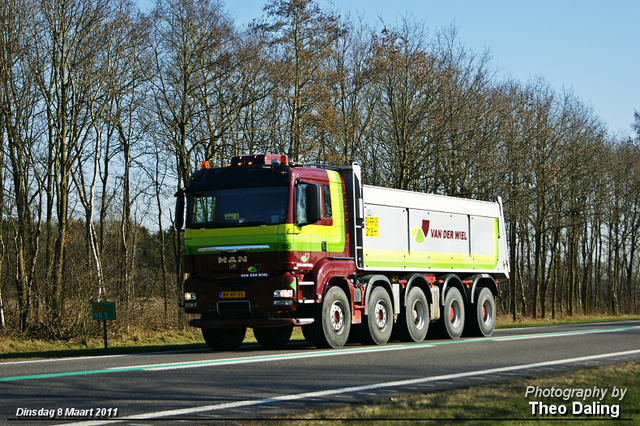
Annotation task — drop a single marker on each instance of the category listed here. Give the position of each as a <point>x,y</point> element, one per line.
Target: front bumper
<point>253,322</point>
<point>242,299</point>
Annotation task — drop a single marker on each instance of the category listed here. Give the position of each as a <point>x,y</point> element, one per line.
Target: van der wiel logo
<point>420,233</point>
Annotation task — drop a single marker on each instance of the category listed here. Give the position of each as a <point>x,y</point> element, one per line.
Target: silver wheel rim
<point>337,317</point>
<point>381,315</point>
<point>487,313</point>
<point>454,313</point>
<point>417,312</point>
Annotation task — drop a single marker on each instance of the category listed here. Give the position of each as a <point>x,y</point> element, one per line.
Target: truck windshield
<point>239,207</point>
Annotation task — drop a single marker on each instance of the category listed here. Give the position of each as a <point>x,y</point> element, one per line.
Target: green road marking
<point>302,355</point>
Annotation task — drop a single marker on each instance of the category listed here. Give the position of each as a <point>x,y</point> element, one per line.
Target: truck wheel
<point>379,321</point>
<point>484,321</point>
<point>453,313</point>
<point>414,319</point>
<point>333,320</point>
<point>273,337</point>
<point>307,332</point>
<point>223,339</point>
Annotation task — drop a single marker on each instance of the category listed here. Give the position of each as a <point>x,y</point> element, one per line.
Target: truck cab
<point>255,234</point>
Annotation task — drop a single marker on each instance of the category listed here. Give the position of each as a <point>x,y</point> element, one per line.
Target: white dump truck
<point>271,245</point>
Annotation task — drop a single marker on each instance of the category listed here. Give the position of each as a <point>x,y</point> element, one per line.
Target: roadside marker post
<point>103,311</point>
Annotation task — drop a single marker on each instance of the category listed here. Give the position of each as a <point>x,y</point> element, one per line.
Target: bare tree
<point>66,68</point>
<point>463,129</point>
<point>18,101</point>
<point>191,44</point>
<point>406,82</point>
<point>346,110</point>
<point>2,245</point>
<point>303,34</point>
<point>112,113</point>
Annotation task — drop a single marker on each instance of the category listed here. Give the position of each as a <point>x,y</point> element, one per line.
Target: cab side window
<point>326,193</point>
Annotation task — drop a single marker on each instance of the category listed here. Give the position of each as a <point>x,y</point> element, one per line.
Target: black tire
<point>307,332</point>
<point>273,337</point>
<point>483,322</point>
<point>332,322</point>
<point>413,323</point>
<point>379,321</point>
<point>453,313</point>
<point>223,339</point>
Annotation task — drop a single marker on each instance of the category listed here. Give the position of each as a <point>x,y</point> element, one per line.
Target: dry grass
<point>500,403</point>
<point>506,321</point>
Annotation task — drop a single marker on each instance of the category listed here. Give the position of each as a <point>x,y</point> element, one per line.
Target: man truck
<point>271,244</point>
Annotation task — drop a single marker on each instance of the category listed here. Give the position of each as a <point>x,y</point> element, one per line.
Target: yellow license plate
<point>231,294</point>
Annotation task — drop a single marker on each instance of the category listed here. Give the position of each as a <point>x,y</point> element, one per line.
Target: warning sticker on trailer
<point>371,226</point>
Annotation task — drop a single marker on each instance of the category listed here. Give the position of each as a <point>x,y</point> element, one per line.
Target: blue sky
<point>589,46</point>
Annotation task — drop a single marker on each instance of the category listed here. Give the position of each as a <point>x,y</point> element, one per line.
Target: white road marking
<point>342,391</point>
<point>280,357</point>
<point>32,361</point>
<point>374,349</point>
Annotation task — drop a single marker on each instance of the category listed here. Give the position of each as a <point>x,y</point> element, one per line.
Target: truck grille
<point>235,307</point>
<point>232,283</point>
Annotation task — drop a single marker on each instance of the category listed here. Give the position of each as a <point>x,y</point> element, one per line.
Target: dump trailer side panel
<point>418,232</point>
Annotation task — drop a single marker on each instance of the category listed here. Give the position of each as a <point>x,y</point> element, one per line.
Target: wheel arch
<point>381,280</point>
<point>481,281</point>
<point>452,280</point>
<point>330,272</point>
<point>416,280</point>
<point>343,284</point>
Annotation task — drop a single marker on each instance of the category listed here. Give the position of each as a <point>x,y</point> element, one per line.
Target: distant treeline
<point>105,111</point>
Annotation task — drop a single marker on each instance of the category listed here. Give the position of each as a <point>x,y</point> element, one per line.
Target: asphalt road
<point>197,387</point>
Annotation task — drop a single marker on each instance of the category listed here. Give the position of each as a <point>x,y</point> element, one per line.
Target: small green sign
<point>104,310</point>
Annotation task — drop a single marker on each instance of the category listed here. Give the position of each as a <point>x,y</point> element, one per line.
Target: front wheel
<point>223,339</point>
<point>307,332</point>
<point>273,337</point>
<point>332,323</point>
<point>379,323</point>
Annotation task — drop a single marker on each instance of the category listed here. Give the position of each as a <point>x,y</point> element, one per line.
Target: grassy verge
<point>499,403</point>
<point>505,321</point>
<point>21,349</point>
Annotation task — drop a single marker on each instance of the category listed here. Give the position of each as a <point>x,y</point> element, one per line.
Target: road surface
<point>200,386</point>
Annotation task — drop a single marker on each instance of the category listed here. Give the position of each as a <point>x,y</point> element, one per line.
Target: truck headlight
<point>283,302</point>
<point>189,296</point>
<point>283,293</point>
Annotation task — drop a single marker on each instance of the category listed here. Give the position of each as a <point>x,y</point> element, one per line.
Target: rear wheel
<point>379,322</point>
<point>223,339</point>
<point>273,337</point>
<point>414,320</point>
<point>453,313</point>
<point>483,322</point>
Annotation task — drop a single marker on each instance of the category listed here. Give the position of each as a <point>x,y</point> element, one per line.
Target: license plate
<point>231,294</point>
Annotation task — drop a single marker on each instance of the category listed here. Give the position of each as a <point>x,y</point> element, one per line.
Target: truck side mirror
<point>179,209</point>
<point>314,203</point>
